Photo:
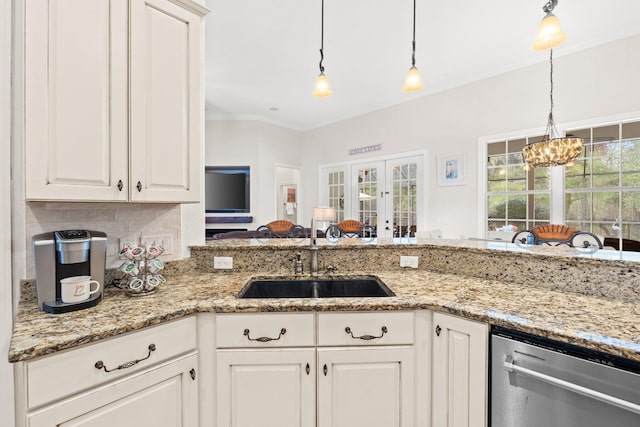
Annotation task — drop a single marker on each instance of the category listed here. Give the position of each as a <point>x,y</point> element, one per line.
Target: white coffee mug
<point>78,288</point>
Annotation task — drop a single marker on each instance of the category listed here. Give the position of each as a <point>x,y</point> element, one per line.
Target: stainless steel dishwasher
<point>537,382</point>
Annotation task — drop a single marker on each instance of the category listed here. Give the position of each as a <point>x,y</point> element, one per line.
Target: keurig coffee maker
<point>61,254</point>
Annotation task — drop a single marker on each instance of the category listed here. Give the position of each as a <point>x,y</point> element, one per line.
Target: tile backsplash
<point>118,220</point>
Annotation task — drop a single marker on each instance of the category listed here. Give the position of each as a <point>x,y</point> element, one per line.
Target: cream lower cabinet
<point>460,372</point>
<point>148,378</point>
<point>362,367</point>
<point>165,396</point>
<point>267,388</point>
<point>113,100</point>
<point>368,386</point>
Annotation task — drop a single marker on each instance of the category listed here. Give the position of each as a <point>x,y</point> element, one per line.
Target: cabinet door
<point>166,102</point>
<point>371,387</point>
<point>459,372</point>
<point>76,131</point>
<point>166,396</point>
<point>266,388</point>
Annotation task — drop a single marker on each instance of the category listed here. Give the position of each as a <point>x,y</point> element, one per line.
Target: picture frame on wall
<point>451,169</point>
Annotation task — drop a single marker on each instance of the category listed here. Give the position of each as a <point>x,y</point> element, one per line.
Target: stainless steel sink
<point>369,286</point>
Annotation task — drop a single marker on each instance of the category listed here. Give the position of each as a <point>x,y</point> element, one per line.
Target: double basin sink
<point>350,287</point>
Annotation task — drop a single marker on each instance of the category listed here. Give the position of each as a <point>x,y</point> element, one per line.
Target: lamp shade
<point>549,34</point>
<point>324,213</point>
<point>322,90</point>
<point>412,83</point>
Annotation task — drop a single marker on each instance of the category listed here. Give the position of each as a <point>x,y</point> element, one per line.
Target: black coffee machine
<point>60,254</point>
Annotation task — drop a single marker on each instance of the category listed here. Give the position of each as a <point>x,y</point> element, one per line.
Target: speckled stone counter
<point>609,323</point>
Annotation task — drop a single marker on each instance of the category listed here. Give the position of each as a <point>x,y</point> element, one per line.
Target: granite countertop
<point>606,324</point>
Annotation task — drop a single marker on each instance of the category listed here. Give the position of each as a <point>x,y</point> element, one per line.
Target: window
<point>602,187</point>
<point>516,194</point>
<point>598,193</point>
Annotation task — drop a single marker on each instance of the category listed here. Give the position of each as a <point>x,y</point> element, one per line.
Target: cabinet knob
<point>438,330</point>
<point>307,369</point>
<point>192,372</point>
<point>120,185</point>
<point>139,186</point>
<point>325,369</point>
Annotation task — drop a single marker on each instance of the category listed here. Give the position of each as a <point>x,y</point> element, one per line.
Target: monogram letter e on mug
<point>78,288</point>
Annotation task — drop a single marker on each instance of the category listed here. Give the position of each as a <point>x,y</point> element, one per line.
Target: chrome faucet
<point>313,248</point>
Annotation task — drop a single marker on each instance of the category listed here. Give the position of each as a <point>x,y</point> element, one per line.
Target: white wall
<point>260,145</point>
<point>6,309</point>
<point>598,82</point>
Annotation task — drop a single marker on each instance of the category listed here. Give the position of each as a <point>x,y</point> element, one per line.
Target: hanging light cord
<point>322,39</point>
<point>551,131</point>
<point>413,42</point>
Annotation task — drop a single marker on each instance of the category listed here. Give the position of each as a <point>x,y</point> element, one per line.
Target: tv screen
<point>226,189</point>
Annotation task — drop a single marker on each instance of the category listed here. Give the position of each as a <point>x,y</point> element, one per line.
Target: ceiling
<point>262,55</point>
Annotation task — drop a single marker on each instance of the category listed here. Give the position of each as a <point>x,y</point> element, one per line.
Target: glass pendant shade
<point>412,83</point>
<point>553,151</point>
<point>549,34</point>
<point>322,90</point>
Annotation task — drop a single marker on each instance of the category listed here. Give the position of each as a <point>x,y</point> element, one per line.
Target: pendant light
<point>552,150</point>
<point>549,34</point>
<point>413,83</point>
<point>321,89</point>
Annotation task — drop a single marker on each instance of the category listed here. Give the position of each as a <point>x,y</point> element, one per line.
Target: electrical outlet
<point>164,240</point>
<point>409,261</point>
<point>223,262</point>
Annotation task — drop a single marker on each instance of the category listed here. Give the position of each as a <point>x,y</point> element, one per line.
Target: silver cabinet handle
<point>584,391</point>
<point>264,339</point>
<point>366,337</point>
<point>100,365</point>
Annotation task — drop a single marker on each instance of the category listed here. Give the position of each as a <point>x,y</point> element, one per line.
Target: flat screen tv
<point>226,189</point>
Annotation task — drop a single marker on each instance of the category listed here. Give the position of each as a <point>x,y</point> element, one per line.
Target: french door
<point>387,195</point>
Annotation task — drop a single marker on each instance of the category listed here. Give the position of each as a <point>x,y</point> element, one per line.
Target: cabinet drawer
<point>265,330</point>
<point>53,377</point>
<point>379,328</point>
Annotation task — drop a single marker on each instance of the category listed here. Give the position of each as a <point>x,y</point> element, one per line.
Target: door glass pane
<point>367,196</point>
<point>404,198</point>
<point>336,193</point>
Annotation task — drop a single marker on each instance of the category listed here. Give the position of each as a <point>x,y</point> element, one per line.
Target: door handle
<point>510,366</point>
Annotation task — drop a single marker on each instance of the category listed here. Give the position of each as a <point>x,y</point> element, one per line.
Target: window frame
<point>556,174</point>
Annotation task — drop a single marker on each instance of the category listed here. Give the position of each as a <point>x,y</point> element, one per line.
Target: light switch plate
<point>129,241</point>
<point>223,262</point>
<point>164,240</point>
<point>409,261</point>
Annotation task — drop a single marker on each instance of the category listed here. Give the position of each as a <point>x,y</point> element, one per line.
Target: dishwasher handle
<point>584,391</point>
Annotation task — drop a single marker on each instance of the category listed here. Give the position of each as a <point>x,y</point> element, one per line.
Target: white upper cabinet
<point>113,100</point>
